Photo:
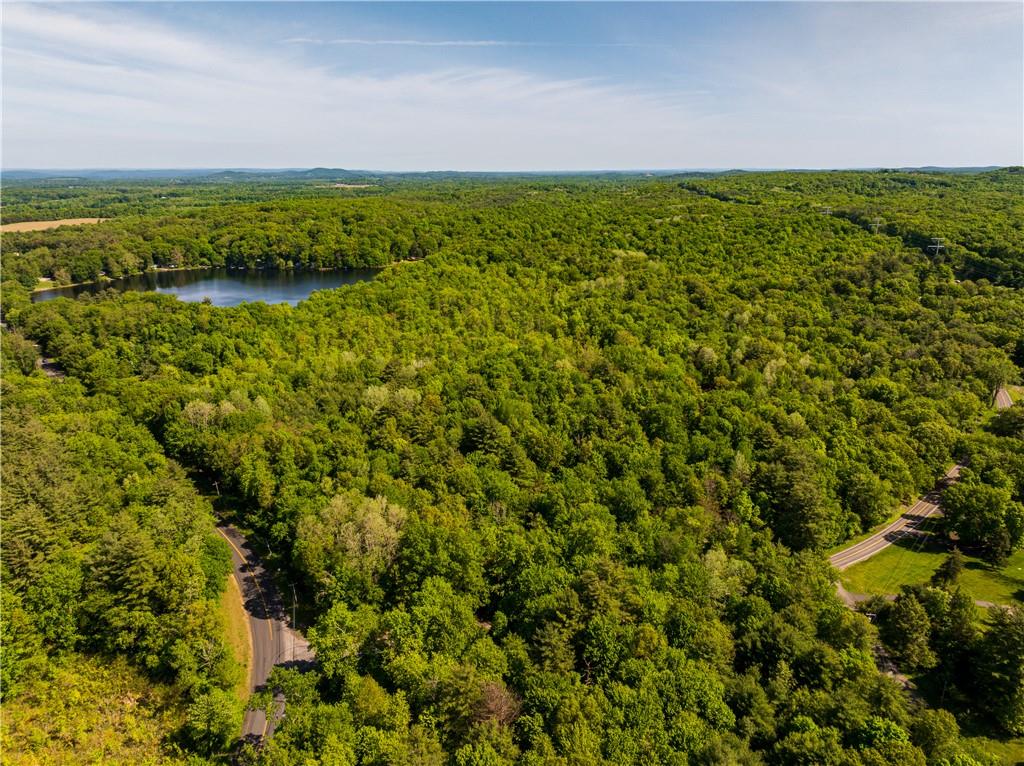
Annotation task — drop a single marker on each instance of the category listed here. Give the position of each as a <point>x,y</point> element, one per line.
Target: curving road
<point>905,526</point>
<point>274,641</point>
<point>910,522</point>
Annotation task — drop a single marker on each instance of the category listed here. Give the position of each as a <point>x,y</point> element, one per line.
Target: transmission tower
<point>937,246</point>
<point>876,224</point>
<point>826,210</point>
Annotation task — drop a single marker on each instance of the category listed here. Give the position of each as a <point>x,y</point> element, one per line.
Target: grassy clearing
<point>1016,393</point>
<point>91,710</point>
<point>1002,586</point>
<point>43,225</point>
<point>236,630</point>
<point>911,562</point>
<point>1009,751</point>
<point>897,565</point>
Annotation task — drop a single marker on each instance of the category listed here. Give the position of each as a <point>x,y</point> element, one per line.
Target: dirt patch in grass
<point>42,225</point>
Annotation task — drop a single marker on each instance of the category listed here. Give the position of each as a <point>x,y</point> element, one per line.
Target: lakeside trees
<point>559,492</point>
<point>310,234</point>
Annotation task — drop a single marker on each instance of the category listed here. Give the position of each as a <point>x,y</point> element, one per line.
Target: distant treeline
<point>979,217</point>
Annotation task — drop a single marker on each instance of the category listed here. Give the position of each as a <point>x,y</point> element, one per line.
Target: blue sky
<point>512,86</point>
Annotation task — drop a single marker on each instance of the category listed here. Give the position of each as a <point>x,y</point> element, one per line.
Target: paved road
<point>852,599</point>
<point>905,526</point>
<point>1003,399</point>
<point>274,642</point>
<point>50,367</point>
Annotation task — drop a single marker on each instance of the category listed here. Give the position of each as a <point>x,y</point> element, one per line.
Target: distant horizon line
<point>279,169</point>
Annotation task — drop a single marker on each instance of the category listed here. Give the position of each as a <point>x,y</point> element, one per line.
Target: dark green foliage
<point>1001,669</point>
<point>977,669</point>
<point>107,547</point>
<point>906,629</point>
<point>984,516</point>
<point>977,215</point>
<point>1009,422</point>
<point>317,233</point>
<point>20,352</point>
<point>948,573</point>
<point>23,655</point>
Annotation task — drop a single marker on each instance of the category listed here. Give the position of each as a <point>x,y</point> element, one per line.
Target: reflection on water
<point>223,287</point>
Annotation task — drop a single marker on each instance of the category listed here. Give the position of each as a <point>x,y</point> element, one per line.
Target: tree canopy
<point>558,493</point>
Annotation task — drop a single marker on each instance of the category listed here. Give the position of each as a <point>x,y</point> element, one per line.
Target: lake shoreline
<point>104,278</point>
<point>182,269</point>
<point>219,285</point>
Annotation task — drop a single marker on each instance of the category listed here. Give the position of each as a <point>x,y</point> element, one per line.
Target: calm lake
<point>223,287</point>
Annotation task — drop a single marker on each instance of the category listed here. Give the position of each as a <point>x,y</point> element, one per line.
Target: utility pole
<point>293,605</point>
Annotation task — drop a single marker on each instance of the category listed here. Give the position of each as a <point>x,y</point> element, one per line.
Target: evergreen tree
<point>949,571</point>
<point>906,630</point>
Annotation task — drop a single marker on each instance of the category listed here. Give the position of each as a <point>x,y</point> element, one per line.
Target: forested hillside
<point>107,550</point>
<point>559,492</point>
<point>978,218</point>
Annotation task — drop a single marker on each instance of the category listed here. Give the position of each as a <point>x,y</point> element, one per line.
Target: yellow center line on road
<point>233,546</point>
<point>245,561</point>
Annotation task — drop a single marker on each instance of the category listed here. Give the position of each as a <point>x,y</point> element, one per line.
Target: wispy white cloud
<point>417,43</point>
<point>413,43</point>
<point>94,86</point>
<point>122,87</point>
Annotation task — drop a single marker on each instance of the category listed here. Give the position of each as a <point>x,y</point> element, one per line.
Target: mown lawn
<point>236,630</point>
<point>914,561</point>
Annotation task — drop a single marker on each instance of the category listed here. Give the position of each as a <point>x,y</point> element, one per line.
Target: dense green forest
<point>979,218</point>
<point>107,548</point>
<point>557,492</point>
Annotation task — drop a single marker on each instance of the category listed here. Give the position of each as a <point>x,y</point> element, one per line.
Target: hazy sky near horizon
<point>512,86</point>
